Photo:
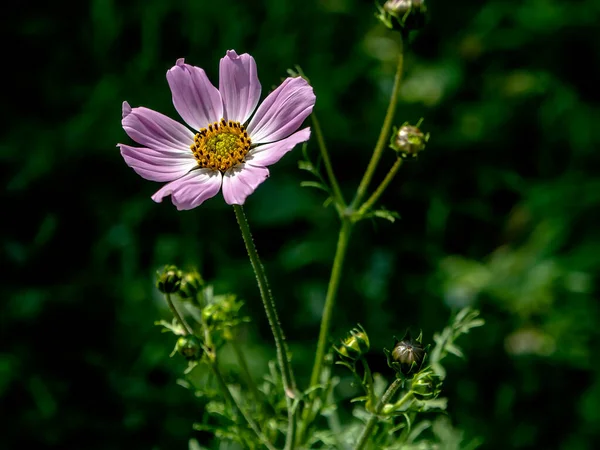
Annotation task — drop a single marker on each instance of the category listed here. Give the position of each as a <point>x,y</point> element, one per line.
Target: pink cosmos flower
<point>226,149</point>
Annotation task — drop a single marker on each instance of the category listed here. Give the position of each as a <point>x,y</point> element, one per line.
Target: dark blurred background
<point>500,212</point>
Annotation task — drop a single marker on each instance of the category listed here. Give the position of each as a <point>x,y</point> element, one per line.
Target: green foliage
<point>403,416</point>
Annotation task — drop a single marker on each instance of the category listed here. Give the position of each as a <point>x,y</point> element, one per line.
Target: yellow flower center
<point>221,146</point>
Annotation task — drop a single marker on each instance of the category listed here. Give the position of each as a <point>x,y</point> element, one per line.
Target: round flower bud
<point>190,347</point>
<point>191,284</point>
<point>410,354</point>
<point>427,386</point>
<point>409,141</point>
<point>355,344</point>
<point>399,8</point>
<point>404,14</point>
<point>169,280</point>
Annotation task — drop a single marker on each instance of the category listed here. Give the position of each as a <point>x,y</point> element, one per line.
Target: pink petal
<point>267,154</point>
<point>155,130</point>
<point>241,181</point>
<point>156,165</point>
<point>239,86</point>
<point>282,112</point>
<point>192,189</point>
<point>196,100</point>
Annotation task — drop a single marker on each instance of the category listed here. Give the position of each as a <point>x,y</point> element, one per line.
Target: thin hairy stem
<point>381,188</point>
<point>385,131</point>
<point>370,426</point>
<point>332,289</point>
<point>233,401</point>
<point>186,328</point>
<point>269,305</point>
<point>328,167</point>
<point>245,371</point>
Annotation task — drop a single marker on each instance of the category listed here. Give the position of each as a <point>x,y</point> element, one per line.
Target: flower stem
<point>381,188</point>
<point>186,328</point>
<point>269,305</point>
<point>385,131</point>
<point>369,427</point>
<point>232,400</point>
<point>245,371</point>
<point>369,380</point>
<point>207,336</point>
<point>332,289</point>
<point>328,167</point>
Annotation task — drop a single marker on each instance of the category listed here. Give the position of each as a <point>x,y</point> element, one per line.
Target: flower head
<point>229,148</point>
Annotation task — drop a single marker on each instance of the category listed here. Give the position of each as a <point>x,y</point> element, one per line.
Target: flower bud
<point>407,356</point>
<point>169,281</point>
<point>403,15</point>
<point>426,385</point>
<point>191,284</point>
<point>190,347</point>
<point>409,141</point>
<point>355,344</point>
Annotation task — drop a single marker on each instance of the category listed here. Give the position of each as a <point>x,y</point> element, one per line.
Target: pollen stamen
<point>221,145</point>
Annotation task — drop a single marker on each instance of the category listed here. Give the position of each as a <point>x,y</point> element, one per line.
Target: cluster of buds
<point>403,15</point>
<point>354,345</point>
<point>222,313</point>
<point>407,359</point>
<point>408,140</point>
<point>408,355</point>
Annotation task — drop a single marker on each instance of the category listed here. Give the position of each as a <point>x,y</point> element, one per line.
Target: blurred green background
<point>500,212</point>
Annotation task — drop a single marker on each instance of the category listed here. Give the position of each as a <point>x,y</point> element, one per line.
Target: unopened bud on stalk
<point>406,15</point>
<point>407,356</point>
<point>355,344</point>
<point>426,385</point>
<point>169,280</point>
<point>408,141</point>
<point>191,284</point>
<point>190,347</point>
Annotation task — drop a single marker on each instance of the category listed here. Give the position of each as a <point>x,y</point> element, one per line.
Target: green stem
<point>232,400</point>
<point>370,426</point>
<point>212,359</point>
<point>269,305</point>
<point>328,167</point>
<point>369,380</point>
<point>332,289</point>
<point>186,328</point>
<point>333,418</point>
<point>385,131</point>
<point>245,371</point>
<point>308,414</point>
<point>207,336</point>
<point>381,188</point>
